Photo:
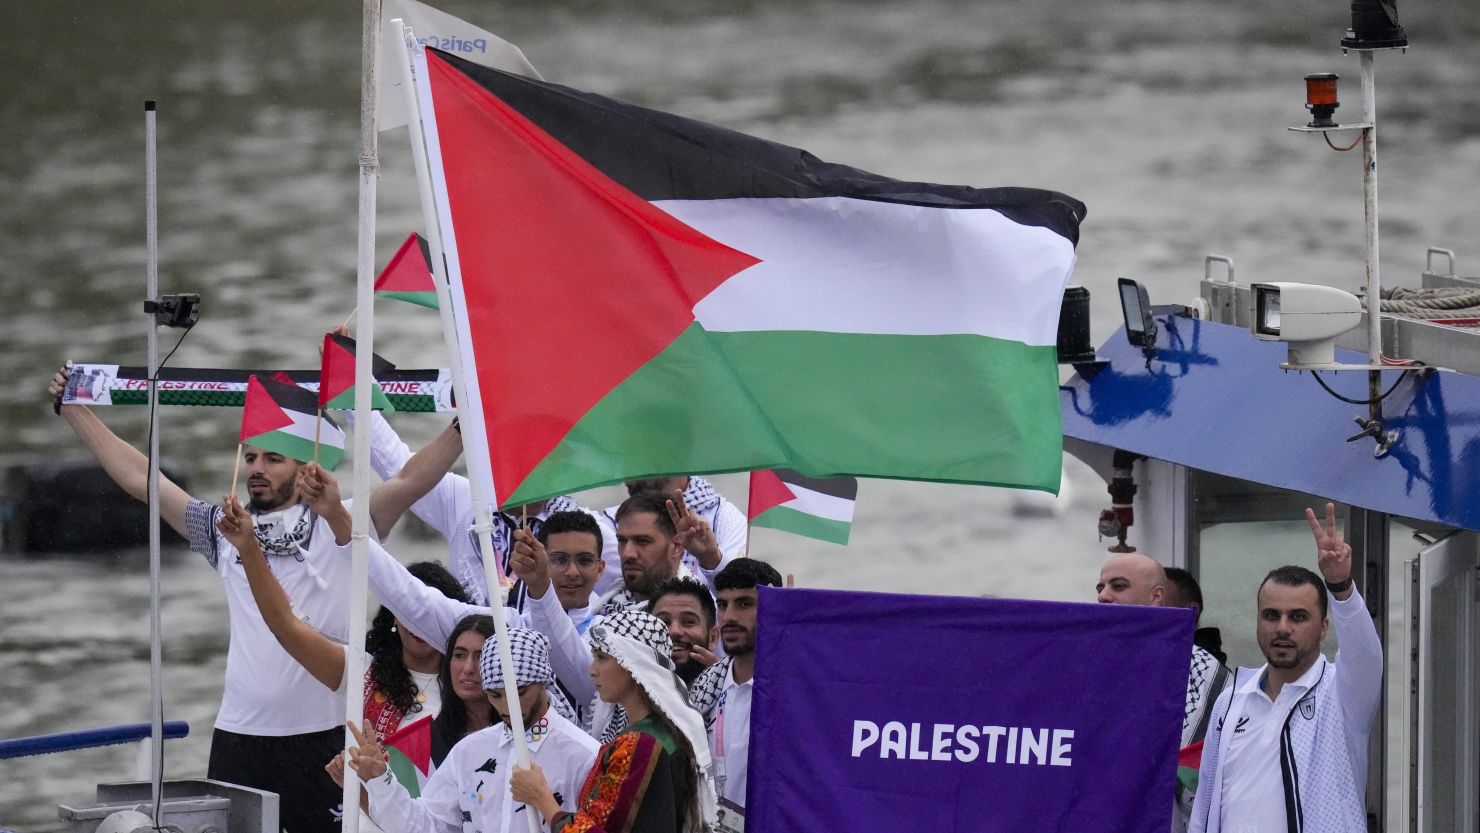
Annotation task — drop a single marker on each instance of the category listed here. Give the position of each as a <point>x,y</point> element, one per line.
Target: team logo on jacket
<point>1308,708</point>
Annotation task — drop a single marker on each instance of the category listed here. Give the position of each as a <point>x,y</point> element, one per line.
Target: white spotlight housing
<point>1308,317</point>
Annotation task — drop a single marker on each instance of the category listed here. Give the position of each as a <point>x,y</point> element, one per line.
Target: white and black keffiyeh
<point>639,642</point>
<point>531,650</point>
<point>705,691</point>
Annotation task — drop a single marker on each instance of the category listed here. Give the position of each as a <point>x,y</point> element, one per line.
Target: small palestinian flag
<point>408,277</point>
<point>1189,761</point>
<point>816,508</point>
<point>337,376</point>
<point>409,750</point>
<point>281,417</point>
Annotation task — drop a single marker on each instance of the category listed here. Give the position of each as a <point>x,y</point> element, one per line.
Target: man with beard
<point>686,607</point>
<point>1136,579</point>
<point>723,692</point>
<point>1288,746</point>
<point>277,725</point>
<point>470,790</point>
<point>701,500</point>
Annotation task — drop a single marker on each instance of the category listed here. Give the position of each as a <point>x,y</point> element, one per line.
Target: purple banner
<point>884,713</point>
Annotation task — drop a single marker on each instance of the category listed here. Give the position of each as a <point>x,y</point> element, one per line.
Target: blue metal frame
<point>1214,398</point>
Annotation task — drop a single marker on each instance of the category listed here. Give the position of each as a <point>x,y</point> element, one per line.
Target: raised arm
<point>323,658</point>
<point>570,654</point>
<point>423,483</point>
<point>126,465</point>
<point>1359,648</point>
<point>429,614</point>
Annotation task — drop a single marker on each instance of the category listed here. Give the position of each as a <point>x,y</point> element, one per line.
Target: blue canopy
<point>1214,398</point>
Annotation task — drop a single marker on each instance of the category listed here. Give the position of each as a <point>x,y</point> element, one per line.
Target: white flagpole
<point>354,670</point>
<point>442,240</point>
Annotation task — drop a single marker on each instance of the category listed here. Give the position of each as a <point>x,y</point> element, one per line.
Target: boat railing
<point>92,739</point>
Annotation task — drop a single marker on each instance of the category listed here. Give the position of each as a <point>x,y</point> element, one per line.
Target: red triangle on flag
<point>767,492</point>
<point>407,270</point>
<point>567,274</point>
<point>261,413</point>
<point>336,370</point>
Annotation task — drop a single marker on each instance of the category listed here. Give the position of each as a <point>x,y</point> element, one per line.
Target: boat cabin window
<point>1242,530</point>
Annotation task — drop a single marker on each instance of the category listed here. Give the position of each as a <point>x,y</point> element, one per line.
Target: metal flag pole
<point>445,265</point>
<point>156,647</point>
<point>354,670</point>
<point>1369,201</point>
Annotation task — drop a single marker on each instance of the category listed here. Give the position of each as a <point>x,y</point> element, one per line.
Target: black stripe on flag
<point>841,487</point>
<point>660,156</point>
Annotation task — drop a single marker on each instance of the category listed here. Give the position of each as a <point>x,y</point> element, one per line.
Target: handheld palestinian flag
<point>734,304</point>
<point>1189,762</point>
<point>409,750</point>
<point>408,275</point>
<point>337,376</point>
<point>280,416</point>
<point>792,502</point>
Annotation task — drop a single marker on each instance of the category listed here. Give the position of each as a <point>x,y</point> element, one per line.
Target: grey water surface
<point>1167,117</point>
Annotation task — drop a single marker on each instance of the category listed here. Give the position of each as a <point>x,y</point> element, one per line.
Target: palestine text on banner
<point>281,417</point>
<point>735,304</point>
<point>111,384</point>
<point>408,275</point>
<point>434,27</point>
<point>981,715</point>
<point>337,376</point>
<point>819,508</point>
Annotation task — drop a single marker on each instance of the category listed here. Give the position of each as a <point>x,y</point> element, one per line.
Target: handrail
<point>87,739</point>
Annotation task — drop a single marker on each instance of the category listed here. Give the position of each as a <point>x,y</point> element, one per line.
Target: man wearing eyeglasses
<point>572,542</point>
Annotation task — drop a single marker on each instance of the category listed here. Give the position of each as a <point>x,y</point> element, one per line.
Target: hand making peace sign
<point>1333,554</point>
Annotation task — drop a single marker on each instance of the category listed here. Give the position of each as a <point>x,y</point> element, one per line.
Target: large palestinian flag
<point>641,294</point>
<point>280,416</point>
<point>819,508</point>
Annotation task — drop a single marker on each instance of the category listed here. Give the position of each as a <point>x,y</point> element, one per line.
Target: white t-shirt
<point>267,692</point>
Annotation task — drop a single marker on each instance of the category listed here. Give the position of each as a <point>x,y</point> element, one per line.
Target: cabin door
<point>1444,613</point>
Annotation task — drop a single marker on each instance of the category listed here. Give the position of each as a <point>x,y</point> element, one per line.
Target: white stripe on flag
<point>842,265</point>
<point>303,428</point>
<point>831,507</point>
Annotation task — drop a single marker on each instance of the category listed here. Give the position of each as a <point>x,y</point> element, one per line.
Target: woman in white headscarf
<point>653,777</point>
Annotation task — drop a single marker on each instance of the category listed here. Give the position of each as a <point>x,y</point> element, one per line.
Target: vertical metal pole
<point>156,650</point>
<point>1369,199</point>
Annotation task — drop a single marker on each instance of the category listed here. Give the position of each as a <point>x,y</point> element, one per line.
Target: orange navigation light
<point>1320,98</point>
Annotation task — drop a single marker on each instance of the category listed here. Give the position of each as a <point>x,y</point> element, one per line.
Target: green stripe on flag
<point>421,299</point>
<point>404,770</point>
<point>298,448</point>
<point>346,401</point>
<point>947,408</point>
<point>790,520</point>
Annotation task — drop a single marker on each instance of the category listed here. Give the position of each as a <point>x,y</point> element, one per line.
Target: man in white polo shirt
<point>1287,751</point>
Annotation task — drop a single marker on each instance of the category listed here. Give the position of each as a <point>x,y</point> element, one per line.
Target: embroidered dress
<point>632,789</point>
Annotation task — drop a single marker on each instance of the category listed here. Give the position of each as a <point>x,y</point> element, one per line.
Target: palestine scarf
<point>531,650</point>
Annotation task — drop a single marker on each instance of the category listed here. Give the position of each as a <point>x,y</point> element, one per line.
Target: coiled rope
<point>1431,304</point>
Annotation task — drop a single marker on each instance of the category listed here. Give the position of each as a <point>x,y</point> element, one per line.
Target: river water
<point>1166,117</point>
